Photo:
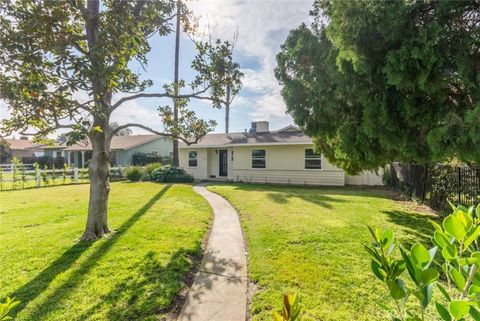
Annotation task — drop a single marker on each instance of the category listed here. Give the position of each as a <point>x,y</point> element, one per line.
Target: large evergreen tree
<point>381,81</point>
<point>53,52</point>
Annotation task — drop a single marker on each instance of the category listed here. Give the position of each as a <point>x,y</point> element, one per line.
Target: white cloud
<point>262,27</point>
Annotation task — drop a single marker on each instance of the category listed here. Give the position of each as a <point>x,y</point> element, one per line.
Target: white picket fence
<point>9,167</point>
<point>24,175</point>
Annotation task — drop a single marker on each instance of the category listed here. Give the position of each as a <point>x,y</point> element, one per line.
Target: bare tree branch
<point>183,139</point>
<point>195,95</point>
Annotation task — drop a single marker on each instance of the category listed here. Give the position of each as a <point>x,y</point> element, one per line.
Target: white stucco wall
<point>366,178</point>
<point>285,165</point>
<point>199,172</point>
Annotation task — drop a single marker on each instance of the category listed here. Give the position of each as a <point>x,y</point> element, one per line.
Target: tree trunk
<point>97,224</point>
<point>227,111</point>
<point>175,79</point>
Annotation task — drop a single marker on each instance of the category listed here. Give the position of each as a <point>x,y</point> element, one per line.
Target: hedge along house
<point>285,156</point>
<point>123,149</point>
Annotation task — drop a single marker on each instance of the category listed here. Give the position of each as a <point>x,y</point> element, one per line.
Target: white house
<point>285,156</point>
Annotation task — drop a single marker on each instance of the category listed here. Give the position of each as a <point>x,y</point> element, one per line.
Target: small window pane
<point>192,158</point>
<point>258,163</point>
<point>310,153</point>
<point>312,160</point>
<point>259,159</point>
<point>258,153</point>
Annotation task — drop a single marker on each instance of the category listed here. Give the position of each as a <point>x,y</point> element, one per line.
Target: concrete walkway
<point>219,290</point>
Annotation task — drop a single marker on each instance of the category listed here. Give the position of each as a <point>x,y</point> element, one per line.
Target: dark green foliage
<point>5,152</point>
<point>134,173</point>
<point>386,81</point>
<point>145,159</point>
<point>171,174</point>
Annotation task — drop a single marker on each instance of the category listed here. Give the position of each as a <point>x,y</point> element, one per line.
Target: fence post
<point>75,175</point>
<point>459,185</point>
<point>38,178</point>
<point>424,183</point>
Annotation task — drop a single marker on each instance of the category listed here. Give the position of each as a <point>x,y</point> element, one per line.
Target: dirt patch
<point>416,207</point>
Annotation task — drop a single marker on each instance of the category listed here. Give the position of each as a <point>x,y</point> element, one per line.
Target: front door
<point>223,162</point>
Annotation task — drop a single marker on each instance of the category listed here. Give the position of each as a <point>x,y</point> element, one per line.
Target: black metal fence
<point>436,185</point>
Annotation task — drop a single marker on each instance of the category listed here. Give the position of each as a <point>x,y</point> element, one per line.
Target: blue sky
<point>262,27</point>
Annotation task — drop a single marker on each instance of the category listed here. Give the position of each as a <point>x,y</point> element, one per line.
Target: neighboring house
<point>123,148</point>
<point>23,147</point>
<point>285,156</point>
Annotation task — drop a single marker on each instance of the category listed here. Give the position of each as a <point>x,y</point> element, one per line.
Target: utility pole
<point>175,79</point>
<point>227,111</point>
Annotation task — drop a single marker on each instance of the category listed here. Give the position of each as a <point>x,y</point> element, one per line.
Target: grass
<point>135,274</point>
<point>309,240</point>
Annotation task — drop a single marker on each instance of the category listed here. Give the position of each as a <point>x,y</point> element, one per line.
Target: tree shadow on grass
<point>156,286</point>
<point>416,226</point>
<point>40,283</point>
<point>149,292</point>
<point>281,197</point>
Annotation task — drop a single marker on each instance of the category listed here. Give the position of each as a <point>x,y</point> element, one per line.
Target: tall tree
<point>375,82</point>
<point>55,52</point>
<point>175,80</point>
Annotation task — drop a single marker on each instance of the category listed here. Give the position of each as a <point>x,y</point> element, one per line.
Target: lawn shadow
<point>320,195</point>
<point>152,290</point>
<point>416,226</point>
<point>281,197</point>
<point>32,289</point>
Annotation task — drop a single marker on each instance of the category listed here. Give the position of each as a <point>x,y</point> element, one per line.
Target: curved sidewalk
<point>219,290</point>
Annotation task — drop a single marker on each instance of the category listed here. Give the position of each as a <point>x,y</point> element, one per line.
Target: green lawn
<point>309,240</point>
<point>135,274</point>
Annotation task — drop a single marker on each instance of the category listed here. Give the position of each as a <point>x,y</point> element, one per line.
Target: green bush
<point>455,259</point>
<point>151,167</point>
<point>171,174</point>
<point>134,173</point>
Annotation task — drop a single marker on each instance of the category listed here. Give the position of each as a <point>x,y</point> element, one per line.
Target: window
<point>154,153</point>
<point>232,155</point>
<point>259,158</point>
<point>312,160</point>
<point>192,158</point>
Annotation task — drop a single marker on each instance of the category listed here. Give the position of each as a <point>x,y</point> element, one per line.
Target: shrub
<point>456,242</point>
<point>171,174</point>
<point>151,167</point>
<point>134,173</point>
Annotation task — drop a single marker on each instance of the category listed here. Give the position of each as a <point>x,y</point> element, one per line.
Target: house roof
<point>284,136</point>
<point>21,143</point>
<point>118,142</point>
